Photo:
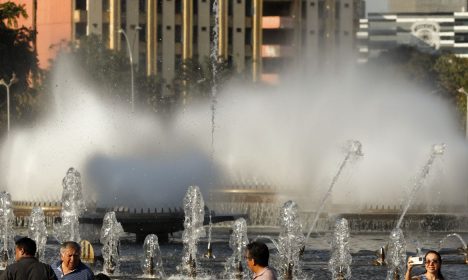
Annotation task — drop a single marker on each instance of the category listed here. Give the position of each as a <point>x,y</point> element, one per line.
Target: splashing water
<point>396,258</point>
<point>38,231</point>
<point>340,261</point>
<point>235,265</point>
<point>73,207</point>
<point>111,232</point>
<point>437,149</point>
<point>152,262</point>
<point>457,236</point>
<point>193,229</point>
<point>354,150</point>
<point>7,233</point>
<point>290,241</point>
<point>214,92</point>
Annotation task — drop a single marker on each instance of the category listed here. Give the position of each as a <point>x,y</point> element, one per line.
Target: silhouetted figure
<point>26,265</point>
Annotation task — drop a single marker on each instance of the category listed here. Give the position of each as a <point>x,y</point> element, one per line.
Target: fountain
<point>73,206</point>
<point>111,232</point>
<point>193,230</point>
<point>341,259</point>
<point>152,263</point>
<point>214,91</point>
<point>288,161</point>
<point>353,150</point>
<point>463,250</point>
<point>235,264</point>
<point>7,233</point>
<point>437,149</point>
<point>38,231</point>
<point>396,259</point>
<point>290,242</point>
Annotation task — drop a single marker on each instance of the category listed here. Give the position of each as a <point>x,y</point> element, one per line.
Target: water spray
<point>354,150</point>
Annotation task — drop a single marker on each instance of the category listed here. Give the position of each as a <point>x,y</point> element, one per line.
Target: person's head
<point>433,263</point>
<point>257,255</point>
<point>25,247</point>
<point>70,253</point>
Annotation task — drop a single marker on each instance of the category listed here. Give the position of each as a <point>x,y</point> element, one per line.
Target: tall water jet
<point>290,241</point>
<point>194,208</point>
<point>152,262</point>
<point>7,233</point>
<point>396,258</point>
<point>214,92</point>
<point>111,232</point>
<point>437,149</point>
<point>354,150</point>
<point>73,207</point>
<point>340,261</point>
<point>38,231</point>
<point>235,264</point>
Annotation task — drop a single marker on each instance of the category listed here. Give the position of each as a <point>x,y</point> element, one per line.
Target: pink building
<point>54,25</point>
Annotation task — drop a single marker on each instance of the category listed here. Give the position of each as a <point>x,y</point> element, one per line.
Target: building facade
<point>426,6</point>
<point>259,38</point>
<point>426,31</point>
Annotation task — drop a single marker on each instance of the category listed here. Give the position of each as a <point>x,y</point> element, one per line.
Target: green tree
<point>17,56</point>
<point>452,75</point>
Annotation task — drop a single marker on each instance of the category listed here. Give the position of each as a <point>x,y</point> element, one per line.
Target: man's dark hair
<point>27,244</point>
<point>259,252</point>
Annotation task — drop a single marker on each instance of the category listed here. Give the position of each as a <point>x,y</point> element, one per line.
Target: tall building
<point>260,38</point>
<point>426,6</point>
<point>53,21</point>
<point>426,31</point>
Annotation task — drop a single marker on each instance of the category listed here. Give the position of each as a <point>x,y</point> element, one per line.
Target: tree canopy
<point>17,55</point>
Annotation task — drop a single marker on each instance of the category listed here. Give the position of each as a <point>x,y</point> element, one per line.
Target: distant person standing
<point>70,266</point>
<point>27,266</point>
<point>257,255</point>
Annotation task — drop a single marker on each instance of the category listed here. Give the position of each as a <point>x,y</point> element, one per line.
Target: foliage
<point>441,72</point>
<point>10,13</point>
<point>453,75</point>
<point>17,56</point>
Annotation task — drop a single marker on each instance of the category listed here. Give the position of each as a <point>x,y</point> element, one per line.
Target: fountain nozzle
<point>380,257</point>
<point>192,267</point>
<point>289,272</point>
<point>240,271</point>
<point>209,252</point>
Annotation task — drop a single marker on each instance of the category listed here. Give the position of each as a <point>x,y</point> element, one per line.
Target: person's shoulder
<point>83,268</point>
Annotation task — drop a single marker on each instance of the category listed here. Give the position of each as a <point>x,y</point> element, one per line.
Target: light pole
<point>3,83</point>
<point>462,90</point>
<point>130,55</point>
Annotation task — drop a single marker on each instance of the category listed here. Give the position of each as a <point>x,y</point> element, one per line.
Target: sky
<point>373,6</point>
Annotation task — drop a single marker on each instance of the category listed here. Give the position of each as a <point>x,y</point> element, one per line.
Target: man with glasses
<point>257,255</point>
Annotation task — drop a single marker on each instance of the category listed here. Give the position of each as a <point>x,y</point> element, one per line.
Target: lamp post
<point>462,90</point>
<point>130,55</point>
<point>3,83</point>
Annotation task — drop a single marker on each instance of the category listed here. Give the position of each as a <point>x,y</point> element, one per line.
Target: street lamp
<point>130,55</point>
<point>462,90</point>
<point>3,83</point>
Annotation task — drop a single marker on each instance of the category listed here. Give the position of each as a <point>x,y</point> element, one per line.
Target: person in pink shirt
<point>257,255</point>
